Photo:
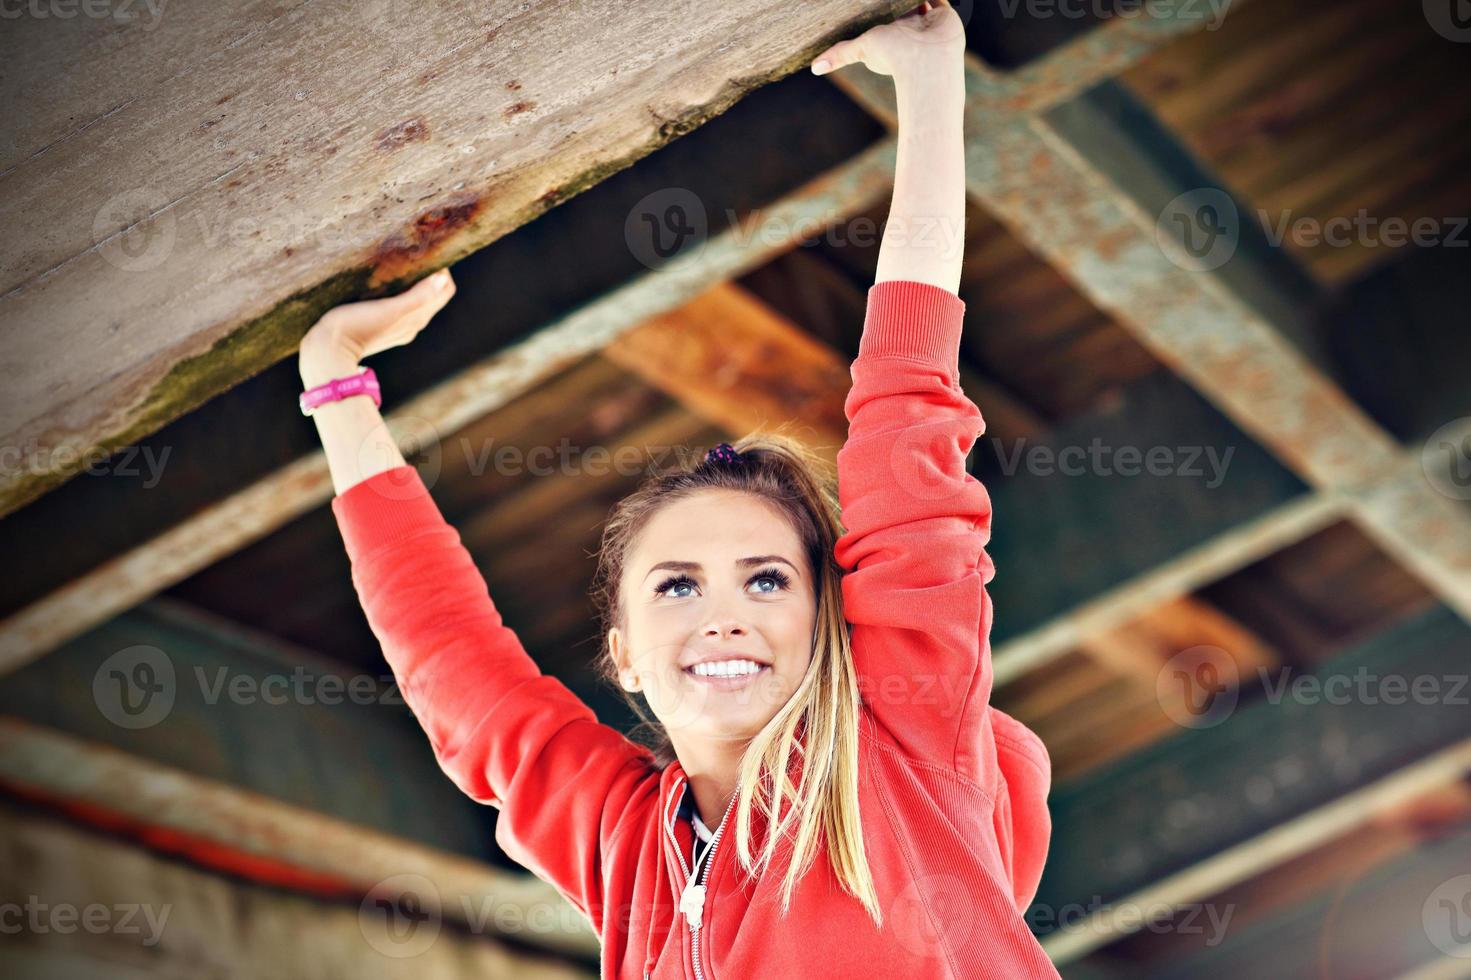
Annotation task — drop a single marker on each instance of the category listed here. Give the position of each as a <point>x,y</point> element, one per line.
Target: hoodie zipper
<point>692,900</point>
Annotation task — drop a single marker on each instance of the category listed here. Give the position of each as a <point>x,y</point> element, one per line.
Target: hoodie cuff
<point>914,320</point>
<point>385,509</point>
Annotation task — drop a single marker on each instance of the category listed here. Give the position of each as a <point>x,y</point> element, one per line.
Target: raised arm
<point>916,521</point>
<point>504,732</point>
<point>924,237</point>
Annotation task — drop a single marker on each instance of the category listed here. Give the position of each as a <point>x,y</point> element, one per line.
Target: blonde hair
<point>818,725</point>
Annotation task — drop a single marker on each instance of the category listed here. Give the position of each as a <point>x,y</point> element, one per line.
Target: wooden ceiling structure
<point>1325,381</point>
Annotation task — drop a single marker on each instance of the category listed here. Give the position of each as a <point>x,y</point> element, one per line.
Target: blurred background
<point>1216,274</point>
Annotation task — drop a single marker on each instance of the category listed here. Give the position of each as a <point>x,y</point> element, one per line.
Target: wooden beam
<point>238,831</point>
<point>228,178</point>
<point>732,360</point>
<point>1223,554</point>
<point>227,698</point>
<point>172,920</point>
<point>256,510</point>
<point>1253,774</point>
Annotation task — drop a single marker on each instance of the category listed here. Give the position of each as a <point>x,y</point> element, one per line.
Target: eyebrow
<point>694,566</point>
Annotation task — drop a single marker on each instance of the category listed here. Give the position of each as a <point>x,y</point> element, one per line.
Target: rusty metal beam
<point>1073,214</point>
<point>44,764</point>
<point>255,511</point>
<point>1103,53</point>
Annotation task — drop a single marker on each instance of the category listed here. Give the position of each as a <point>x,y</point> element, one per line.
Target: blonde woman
<point>827,792</point>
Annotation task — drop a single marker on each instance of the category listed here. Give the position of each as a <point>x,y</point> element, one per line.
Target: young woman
<point>830,792</point>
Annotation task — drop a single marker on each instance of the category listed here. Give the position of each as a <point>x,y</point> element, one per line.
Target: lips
<point>689,667</point>
<point>727,682</point>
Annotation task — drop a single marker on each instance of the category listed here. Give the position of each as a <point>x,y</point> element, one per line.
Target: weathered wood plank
<point>1394,700</point>
<point>458,401</point>
<point>188,239</point>
<point>167,919</point>
<point>243,832</point>
<point>240,707</point>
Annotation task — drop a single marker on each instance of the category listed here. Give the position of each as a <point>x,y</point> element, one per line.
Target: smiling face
<point>717,576</point>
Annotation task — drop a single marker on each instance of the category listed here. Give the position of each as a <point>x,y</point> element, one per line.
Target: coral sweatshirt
<point>953,794</point>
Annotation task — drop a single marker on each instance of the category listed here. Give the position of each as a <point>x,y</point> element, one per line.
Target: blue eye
<point>676,581</point>
<point>679,581</point>
<point>776,575</point>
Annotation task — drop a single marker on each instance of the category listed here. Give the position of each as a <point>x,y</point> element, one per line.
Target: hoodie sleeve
<point>917,524</point>
<point>504,732</point>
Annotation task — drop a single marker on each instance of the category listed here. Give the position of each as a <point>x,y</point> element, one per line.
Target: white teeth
<point>725,668</point>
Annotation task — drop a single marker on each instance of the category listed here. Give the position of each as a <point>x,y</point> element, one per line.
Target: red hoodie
<point>953,796</point>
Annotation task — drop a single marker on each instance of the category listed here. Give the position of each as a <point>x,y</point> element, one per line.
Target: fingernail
<point>822,66</point>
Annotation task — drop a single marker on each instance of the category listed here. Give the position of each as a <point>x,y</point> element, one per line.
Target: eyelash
<point>782,581</point>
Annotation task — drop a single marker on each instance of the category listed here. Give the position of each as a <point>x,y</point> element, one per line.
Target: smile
<point>731,681</point>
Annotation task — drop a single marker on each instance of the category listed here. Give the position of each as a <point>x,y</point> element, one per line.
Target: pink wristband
<point>365,383</point>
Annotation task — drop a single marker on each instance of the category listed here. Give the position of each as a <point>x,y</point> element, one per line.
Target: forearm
<point>354,436</point>
<point>924,239</point>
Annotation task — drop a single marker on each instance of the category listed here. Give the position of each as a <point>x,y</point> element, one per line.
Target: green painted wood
<point>1264,762</point>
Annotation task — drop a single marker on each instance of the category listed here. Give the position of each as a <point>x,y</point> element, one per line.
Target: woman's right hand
<point>353,331</point>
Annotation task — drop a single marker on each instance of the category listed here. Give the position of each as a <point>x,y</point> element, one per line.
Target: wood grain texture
<point>268,162</point>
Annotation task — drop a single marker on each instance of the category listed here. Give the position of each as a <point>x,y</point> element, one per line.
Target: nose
<point>723,628</point>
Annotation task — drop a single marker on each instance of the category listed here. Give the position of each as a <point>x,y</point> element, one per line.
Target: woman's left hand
<point>930,32</point>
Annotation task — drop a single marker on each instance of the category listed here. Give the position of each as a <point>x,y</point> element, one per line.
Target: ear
<point>626,676</point>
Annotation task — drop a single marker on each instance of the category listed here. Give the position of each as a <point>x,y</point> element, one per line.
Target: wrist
<point>317,367</point>
<point>932,78</point>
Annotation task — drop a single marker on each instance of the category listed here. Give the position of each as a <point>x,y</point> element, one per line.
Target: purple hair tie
<point>724,454</point>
